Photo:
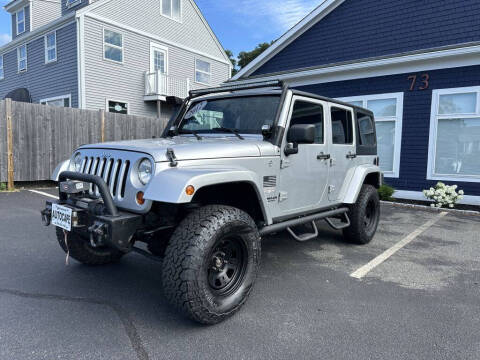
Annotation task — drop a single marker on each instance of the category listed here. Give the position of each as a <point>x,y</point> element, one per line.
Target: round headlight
<point>76,164</point>
<point>145,171</point>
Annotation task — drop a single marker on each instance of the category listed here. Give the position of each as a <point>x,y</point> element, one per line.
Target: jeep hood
<point>189,148</point>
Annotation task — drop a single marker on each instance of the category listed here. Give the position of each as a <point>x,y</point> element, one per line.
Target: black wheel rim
<point>370,215</point>
<point>227,265</point>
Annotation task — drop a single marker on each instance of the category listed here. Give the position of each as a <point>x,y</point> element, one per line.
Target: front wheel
<point>364,216</point>
<point>211,263</point>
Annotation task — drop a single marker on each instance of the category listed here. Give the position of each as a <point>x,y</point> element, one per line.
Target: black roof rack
<point>255,85</point>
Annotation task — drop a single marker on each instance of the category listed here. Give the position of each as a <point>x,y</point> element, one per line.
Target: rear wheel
<point>80,249</point>
<point>211,263</point>
<point>364,216</point>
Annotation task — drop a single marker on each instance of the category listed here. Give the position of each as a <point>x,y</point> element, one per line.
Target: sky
<point>239,24</point>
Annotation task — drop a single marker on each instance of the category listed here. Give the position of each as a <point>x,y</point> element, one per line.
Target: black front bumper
<point>96,219</point>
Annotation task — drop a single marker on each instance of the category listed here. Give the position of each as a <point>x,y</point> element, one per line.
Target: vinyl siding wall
<point>145,15</point>
<point>359,29</point>
<point>27,23</point>
<point>45,80</point>
<point>45,12</point>
<point>125,82</point>
<point>416,117</point>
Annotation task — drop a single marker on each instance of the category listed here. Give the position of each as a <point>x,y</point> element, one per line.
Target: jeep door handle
<point>351,156</point>
<point>323,156</point>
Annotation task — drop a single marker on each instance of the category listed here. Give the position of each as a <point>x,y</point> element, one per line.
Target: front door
<point>342,149</point>
<point>158,69</point>
<point>304,176</point>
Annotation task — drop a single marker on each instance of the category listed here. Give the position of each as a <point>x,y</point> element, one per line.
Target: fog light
<point>140,199</point>
<point>190,190</point>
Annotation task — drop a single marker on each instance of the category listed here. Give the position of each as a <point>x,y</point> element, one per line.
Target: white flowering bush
<point>444,195</point>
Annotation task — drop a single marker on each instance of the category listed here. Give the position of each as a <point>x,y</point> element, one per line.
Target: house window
<point>388,111</point>
<point>117,107</point>
<point>455,135</point>
<point>20,16</point>
<point>50,47</point>
<point>22,58</point>
<point>72,3</point>
<point>112,46</point>
<point>172,9</point>
<point>202,72</point>
<point>58,101</point>
<point>2,73</point>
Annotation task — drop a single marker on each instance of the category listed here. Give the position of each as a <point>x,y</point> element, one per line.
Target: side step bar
<point>302,220</point>
<point>305,236</point>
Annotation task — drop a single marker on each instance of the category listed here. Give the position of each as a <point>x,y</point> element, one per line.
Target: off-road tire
<point>186,277</point>
<point>363,228</point>
<point>81,250</point>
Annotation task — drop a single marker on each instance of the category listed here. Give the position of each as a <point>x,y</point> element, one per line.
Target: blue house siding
<point>27,23</point>
<point>416,117</point>
<point>45,80</point>
<point>359,29</point>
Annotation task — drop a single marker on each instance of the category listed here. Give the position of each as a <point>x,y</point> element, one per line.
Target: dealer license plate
<point>62,217</point>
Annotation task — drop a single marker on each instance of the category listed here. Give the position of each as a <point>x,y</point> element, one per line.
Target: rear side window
<point>342,129</point>
<point>366,129</point>
<point>309,113</point>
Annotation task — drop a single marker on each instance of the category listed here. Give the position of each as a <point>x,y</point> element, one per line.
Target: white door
<point>342,149</point>
<point>304,176</point>
<point>158,69</point>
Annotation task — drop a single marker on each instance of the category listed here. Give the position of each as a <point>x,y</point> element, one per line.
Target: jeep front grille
<point>113,171</point>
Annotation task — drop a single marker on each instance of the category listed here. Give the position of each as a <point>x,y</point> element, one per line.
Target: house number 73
<point>424,79</point>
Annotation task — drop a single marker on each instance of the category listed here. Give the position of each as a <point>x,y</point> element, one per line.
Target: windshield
<point>244,115</point>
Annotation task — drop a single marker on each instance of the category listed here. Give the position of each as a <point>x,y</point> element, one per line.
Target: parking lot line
<point>44,194</point>
<point>364,270</point>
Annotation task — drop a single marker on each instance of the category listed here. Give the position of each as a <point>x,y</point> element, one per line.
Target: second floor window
<point>202,72</point>
<point>172,9</point>
<point>112,46</point>
<point>21,21</point>
<point>51,47</point>
<point>2,73</point>
<point>22,58</point>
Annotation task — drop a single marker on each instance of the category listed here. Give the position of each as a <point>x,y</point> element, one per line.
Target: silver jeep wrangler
<point>235,164</point>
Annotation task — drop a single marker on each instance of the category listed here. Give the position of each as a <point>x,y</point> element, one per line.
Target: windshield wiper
<point>233,131</point>
<point>192,132</point>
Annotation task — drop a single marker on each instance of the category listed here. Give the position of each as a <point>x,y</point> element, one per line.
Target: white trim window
<point>51,47</point>
<point>117,107</point>
<point>58,101</point>
<point>388,111</point>
<point>203,72</point>
<point>158,58</point>
<point>171,9</point>
<point>112,46</point>
<point>20,20</point>
<point>454,145</point>
<point>22,58</point>
<point>2,71</point>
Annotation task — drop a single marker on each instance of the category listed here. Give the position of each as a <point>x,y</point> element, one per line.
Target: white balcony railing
<point>158,84</point>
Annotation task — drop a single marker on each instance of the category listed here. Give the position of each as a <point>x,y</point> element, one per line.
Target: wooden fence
<point>37,137</point>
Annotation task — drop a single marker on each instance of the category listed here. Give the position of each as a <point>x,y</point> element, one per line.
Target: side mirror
<point>301,134</point>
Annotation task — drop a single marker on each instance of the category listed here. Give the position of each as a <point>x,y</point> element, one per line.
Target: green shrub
<point>386,192</point>
<point>3,186</point>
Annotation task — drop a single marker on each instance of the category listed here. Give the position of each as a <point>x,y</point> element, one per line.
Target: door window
<point>309,113</point>
<point>159,62</point>
<point>342,126</point>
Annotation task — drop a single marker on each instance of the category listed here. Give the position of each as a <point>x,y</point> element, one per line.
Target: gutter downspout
<point>81,61</point>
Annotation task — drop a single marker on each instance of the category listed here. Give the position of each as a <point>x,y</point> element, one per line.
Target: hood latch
<point>172,158</point>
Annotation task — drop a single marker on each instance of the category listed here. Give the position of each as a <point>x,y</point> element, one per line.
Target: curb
<point>423,207</point>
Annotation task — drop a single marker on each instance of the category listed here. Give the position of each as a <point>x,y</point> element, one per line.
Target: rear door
<point>342,149</point>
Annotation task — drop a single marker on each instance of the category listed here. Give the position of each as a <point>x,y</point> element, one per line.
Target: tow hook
<point>46,216</point>
<point>98,233</point>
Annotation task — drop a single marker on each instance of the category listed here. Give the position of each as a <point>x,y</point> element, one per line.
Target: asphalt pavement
<point>422,302</point>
